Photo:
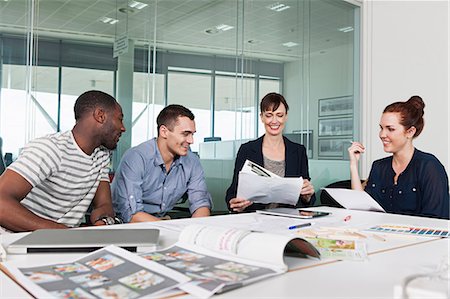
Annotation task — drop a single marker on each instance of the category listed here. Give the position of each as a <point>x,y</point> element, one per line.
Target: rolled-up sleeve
<point>197,190</point>
<point>126,186</point>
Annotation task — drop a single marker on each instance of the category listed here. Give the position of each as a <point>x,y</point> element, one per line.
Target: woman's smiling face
<point>274,121</point>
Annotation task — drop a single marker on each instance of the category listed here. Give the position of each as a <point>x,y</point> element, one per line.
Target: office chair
<point>327,200</point>
<point>2,162</point>
<point>180,210</point>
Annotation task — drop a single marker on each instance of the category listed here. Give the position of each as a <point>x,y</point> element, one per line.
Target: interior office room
<point>337,62</point>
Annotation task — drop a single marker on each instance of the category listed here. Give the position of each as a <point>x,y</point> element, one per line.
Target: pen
<point>300,225</point>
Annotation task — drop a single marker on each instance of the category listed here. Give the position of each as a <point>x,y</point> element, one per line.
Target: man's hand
<point>201,212</point>
<point>143,217</point>
<point>239,204</point>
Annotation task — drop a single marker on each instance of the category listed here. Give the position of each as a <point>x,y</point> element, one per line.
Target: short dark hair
<point>92,99</point>
<point>411,113</point>
<point>169,116</point>
<point>272,101</point>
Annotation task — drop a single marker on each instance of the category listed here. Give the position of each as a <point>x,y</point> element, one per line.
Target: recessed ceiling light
<point>211,31</point>
<point>218,29</point>
<point>126,10</point>
<point>290,44</point>
<point>278,7</point>
<point>108,20</point>
<point>137,4</point>
<point>253,41</point>
<point>346,29</point>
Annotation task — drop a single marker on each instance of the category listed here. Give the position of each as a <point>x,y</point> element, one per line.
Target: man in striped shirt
<point>56,177</point>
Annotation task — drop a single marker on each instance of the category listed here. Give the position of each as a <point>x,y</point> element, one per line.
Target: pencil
<point>378,237</point>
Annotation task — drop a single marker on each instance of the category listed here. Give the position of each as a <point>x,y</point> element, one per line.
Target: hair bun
<point>417,102</point>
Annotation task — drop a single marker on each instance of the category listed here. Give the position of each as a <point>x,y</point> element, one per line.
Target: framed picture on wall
<point>333,148</point>
<point>336,106</point>
<point>336,126</point>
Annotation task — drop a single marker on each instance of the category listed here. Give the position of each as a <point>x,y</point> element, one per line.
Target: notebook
<point>85,240</point>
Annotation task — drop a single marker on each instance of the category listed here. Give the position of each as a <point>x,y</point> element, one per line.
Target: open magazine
<point>110,272</point>
<point>257,184</point>
<point>219,259</point>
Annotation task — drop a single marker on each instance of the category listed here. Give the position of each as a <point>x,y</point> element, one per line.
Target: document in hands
<point>259,185</point>
<point>354,199</point>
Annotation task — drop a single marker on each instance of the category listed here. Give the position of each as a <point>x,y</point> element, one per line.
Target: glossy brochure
<point>111,272</point>
<point>219,259</point>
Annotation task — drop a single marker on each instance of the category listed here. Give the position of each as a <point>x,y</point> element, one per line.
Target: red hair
<point>411,113</point>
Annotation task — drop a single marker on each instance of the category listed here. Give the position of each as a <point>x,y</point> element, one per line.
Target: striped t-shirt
<point>63,177</point>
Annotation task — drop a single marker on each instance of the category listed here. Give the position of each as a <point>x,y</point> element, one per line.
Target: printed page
<point>210,272</point>
<point>219,259</point>
<point>259,185</point>
<point>110,272</point>
<point>256,246</point>
<point>255,169</point>
<point>341,249</point>
<point>354,199</point>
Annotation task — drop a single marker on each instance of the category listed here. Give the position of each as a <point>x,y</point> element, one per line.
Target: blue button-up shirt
<point>421,189</point>
<point>142,183</point>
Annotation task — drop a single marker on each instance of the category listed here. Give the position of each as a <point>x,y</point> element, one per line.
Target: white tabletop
<point>389,262</point>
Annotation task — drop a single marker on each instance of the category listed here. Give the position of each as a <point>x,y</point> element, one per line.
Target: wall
<point>405,52</point>
<point>331,75</point>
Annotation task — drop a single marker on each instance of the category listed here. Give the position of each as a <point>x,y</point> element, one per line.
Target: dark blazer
<point>296,165</point>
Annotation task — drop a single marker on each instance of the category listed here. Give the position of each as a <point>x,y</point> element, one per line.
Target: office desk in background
<point>389,262</point>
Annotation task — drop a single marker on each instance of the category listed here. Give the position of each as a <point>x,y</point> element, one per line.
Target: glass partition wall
<point>218,58</point>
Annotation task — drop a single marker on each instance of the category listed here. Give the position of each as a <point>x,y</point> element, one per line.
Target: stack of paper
<point>259,185</point>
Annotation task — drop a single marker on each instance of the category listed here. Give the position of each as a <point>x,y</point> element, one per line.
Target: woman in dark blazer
<point>274,152</point>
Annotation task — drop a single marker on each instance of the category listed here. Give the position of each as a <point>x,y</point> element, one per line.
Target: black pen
<point>300,225</point>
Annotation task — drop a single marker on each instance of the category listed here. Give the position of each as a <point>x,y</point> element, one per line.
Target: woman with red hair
<point>409,181</point>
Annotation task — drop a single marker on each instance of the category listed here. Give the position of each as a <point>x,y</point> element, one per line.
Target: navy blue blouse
<point>421,189</point>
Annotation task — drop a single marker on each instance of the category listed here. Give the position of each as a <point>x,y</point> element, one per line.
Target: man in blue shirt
<point>154,175</point>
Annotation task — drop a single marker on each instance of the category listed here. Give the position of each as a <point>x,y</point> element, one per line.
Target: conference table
<point>392,258</point>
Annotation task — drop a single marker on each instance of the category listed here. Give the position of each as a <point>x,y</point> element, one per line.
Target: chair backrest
<point>327,200</point>
<point>2,162</point>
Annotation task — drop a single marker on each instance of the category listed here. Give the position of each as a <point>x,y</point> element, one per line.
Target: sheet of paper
<point>259,185</point>
<point>354,199</point>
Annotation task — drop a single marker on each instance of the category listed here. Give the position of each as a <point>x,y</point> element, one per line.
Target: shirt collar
<point>158,161</point>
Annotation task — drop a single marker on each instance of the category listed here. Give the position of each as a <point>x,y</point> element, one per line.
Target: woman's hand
<point>307,191</point>
<point>239,204</point>
<point>355,151</point>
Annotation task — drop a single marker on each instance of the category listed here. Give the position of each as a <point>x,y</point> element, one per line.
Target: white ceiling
<point>181,24</point>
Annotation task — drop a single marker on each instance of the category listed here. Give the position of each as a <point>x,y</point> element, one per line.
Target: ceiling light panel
<point>346,29</point>
<point>278,7</point>
<point>108,20</point>
<point>290,44</point>
<point>137,4</point>
<point>224,27</point>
